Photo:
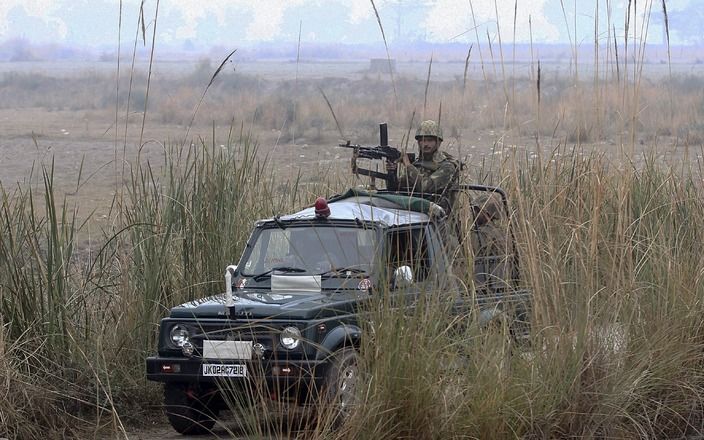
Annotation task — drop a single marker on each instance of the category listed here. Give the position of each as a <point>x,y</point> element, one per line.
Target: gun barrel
<point>383,134</point>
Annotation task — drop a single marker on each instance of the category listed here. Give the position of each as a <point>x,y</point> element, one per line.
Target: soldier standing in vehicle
<point>433,172</point>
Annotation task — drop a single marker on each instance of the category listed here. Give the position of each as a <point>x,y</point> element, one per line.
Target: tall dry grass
<point>609,251</point>
<point>77,322</point>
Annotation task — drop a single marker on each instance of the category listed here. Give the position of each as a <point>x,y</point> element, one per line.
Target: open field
<point>604,176</point>
<point>70,115</point>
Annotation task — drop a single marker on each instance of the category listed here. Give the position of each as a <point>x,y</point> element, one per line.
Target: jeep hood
<point>261,303</point>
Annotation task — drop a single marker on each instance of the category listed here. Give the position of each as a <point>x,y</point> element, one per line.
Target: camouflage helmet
<point>429,128</point>
<point>488,203</point>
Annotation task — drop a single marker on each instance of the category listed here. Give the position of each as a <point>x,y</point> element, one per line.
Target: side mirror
<point>230,273</point>
<point>403,276</point>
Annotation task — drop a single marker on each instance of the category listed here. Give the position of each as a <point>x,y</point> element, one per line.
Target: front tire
<point>341,383</point>
<point>189,411</point>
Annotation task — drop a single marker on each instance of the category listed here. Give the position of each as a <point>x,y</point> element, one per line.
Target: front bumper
<point>190,370</point>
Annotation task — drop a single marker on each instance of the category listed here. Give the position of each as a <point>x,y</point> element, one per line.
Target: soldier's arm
<point>409,176</point>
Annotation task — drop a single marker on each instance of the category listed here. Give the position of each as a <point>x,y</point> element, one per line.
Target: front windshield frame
<point>250,268</point>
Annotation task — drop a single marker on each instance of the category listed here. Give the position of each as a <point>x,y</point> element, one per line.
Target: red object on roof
<point>322,210</point>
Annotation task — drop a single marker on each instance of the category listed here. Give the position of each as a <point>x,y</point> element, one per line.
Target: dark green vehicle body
<point>325,326</point>
<point>327,306</point>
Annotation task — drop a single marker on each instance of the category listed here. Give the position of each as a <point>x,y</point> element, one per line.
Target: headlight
<point>179,335</point>
<point>290,338</point>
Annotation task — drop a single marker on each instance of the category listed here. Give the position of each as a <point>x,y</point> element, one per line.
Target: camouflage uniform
<point>438,174</point>
<point>431,176</point>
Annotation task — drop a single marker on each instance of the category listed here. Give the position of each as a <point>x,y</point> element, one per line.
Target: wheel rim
<point>346,385</point>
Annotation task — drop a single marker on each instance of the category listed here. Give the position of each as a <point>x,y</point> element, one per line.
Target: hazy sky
<point>208,22</point>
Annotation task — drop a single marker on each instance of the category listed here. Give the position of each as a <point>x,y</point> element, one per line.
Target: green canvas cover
<point>406,202</point>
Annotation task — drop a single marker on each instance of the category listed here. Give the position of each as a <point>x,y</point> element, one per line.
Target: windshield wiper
<point>287,269</point>
<point>338,270</point>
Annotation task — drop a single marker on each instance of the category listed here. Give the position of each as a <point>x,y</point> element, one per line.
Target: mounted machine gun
<point>381,152</point>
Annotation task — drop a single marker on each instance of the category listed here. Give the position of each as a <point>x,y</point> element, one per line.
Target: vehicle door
<point>408,260</point>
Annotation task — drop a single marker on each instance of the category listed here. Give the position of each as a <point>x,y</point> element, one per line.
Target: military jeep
<point>290,317</point>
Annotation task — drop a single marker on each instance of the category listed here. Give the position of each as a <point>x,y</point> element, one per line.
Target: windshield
<point>311,250</point>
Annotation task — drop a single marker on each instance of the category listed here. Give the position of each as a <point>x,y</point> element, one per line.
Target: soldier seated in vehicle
<point>433,172</point>
<point>492,268</point>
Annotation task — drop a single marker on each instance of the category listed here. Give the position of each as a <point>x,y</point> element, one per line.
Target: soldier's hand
<point>391,166</point>
<point>406,160</point>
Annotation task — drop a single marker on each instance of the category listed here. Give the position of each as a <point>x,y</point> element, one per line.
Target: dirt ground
<point>158,428</point>
<point>87,144</point>
<point>83,144</point>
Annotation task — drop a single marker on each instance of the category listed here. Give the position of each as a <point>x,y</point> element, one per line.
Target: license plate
<point>220,370</point>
